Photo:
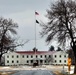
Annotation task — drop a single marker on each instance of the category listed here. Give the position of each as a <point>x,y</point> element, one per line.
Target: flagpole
<point>35,35</point>
<point>35,30</point>
<point>36,13</point>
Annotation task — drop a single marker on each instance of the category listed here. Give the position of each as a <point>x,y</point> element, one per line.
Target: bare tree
<point>51,48</point>
<point>35,49</point>
<point>59,49</point>
<point>71,55</point>
<point>7,41</point>
<point>61,25</point>
<point>50,59</point>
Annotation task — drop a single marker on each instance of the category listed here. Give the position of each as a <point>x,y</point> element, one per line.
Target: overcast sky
<point>23,13</point>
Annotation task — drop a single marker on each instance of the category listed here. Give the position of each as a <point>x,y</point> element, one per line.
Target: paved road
<point>34,72</point>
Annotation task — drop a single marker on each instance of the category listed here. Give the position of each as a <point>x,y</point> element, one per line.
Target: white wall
<point>63,58</point>
<point>23,61</point>
<point>8,57</point>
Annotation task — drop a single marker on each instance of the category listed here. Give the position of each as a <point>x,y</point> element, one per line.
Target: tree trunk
<point>74,50</point>
<point>75,63</point>
<point>0,60</point>
<point>75,67</point>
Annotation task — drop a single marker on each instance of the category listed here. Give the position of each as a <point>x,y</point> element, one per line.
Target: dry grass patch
<point>6,73</point>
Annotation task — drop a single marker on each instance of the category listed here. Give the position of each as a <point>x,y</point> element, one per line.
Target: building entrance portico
<point>38,61</point>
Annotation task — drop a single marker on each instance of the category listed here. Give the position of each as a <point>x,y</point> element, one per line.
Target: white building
<point>41,57</point>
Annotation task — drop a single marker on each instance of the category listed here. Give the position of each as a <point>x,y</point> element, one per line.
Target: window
<point>55,61</point>
<point>65,56</point>
<point>49,56</point>
<point>45,61</point>
<point>7,61</point>
<point>41,61</point>
<point>45,56</point>
<point>17,61</point>
<point>55,56</point>
<point>31,56</point>
<point>12,56</point>
<point>60,61</point>
<point>31,61</point>
<point>17,56</point>
<point>12,61</point>
<point>41,56</point>
<point>60,56</point>
<point>27,56</point>
<point>22,56</point>
<point>36,56</point>
<point>27,61</point>
<point>64,61</point>
<point>7,56</point>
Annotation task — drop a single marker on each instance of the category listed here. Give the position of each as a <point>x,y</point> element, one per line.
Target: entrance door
<point>35,63</point>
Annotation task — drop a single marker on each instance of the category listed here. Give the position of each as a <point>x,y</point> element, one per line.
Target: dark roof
<point>37,52</point>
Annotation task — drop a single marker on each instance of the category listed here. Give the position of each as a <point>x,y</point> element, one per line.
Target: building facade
<point>41,57</point>
<point>60,58</point>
